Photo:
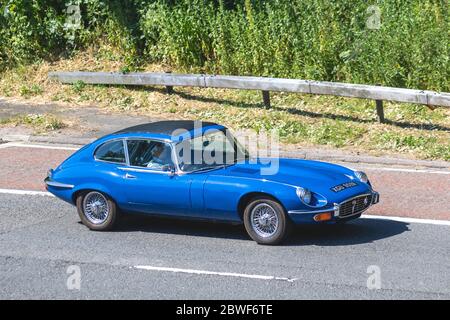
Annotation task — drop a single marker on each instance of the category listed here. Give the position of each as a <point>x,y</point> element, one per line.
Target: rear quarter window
<point>112,151</point>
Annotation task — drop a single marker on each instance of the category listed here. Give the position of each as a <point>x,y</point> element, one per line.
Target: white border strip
<point>214,273</point>
<point>26,192</point>
<point>38,146</point>
<point>405,170</point>
<point>408,220</point>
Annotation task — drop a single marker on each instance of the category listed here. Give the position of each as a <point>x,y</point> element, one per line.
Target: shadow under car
<point>357,231</point>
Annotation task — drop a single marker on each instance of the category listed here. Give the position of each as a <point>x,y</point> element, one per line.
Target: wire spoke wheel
<point>95,207</point>
<point>264,220</point>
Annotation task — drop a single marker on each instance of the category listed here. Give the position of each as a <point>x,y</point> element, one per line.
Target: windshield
<point>214,149</point>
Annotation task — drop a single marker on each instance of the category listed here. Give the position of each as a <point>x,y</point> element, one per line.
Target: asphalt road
<point>41,237</point>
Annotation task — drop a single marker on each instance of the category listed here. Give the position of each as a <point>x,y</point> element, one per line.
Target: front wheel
<point>265,221</point>
<point>96,210</point>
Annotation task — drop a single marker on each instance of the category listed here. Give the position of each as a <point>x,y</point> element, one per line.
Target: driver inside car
<point>161,156</point>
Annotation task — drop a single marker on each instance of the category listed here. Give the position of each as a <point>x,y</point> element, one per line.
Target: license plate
<point>344,186</point>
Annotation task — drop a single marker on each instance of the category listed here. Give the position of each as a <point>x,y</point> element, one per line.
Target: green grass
<point>41,123</point>
<point>301,120</point>
<point>29,91</point>
<point>428,145</point>
<point>78,86</point>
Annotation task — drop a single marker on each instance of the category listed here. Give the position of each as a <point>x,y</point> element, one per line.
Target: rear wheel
<point>96,210</point>
<point>265,221</point>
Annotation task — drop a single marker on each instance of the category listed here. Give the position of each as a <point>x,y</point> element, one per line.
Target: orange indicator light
<point>323,216</point>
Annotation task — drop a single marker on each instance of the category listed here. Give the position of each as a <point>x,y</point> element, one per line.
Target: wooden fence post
<point>380,111</point>
<point>169,89</point>
<point>266,98</point>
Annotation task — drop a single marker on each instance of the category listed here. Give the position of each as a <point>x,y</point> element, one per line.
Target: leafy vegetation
<point>27,91</point>
<point>309,39</point>
<point>397,43</point>
<point>39,122</point>
<point>302,120</point>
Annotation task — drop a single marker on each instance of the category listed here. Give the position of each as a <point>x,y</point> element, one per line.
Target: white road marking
<point>39,146</point>
<point>409,220</point>
<point>367,216</point>
<point>5,145</point>
<point>214,273</point>
<point>405,170</point>
<point>26,192</point>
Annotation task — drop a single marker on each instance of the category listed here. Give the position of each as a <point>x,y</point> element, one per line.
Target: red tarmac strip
<point>409,194</point>
<point>403,194</point>
<point>26,168</point>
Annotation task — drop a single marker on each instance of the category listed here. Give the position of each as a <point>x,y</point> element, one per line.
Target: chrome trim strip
<point>360,195</point>
<point>125,148</point>
<point>58,184</point>
<point>168,141</point>
<point>144,170</point>
<point>136,169</point>
<point>112,162</point>
<point>306,212</point>
<point>175,159</point>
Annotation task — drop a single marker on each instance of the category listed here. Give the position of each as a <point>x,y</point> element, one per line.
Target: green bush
<point>31,30</point>
<point>311,39</point>
<point>314,39</point>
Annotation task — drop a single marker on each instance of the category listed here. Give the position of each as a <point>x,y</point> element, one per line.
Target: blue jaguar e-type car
<point>172,168</point>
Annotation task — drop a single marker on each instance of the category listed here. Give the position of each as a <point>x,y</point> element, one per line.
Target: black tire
<point>282,229</point>
<point>112,216</point>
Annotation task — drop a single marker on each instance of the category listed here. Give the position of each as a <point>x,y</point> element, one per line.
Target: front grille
<point>355,205</point>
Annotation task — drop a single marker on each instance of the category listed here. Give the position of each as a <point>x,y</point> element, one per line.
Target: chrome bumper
<point>51,183</point>
<point>334,209</point>
<point>375,198</point>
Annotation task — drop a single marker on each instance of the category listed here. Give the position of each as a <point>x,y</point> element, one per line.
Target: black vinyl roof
<point>167,127</point>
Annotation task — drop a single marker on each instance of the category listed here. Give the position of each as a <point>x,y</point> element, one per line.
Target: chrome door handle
<point>129,176</point>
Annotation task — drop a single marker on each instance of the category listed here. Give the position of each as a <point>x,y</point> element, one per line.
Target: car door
<point>150,184</point>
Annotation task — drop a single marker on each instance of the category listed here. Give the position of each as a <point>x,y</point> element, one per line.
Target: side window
<point>112,151</point>
<point>218,142</point>
<point>149,154</point>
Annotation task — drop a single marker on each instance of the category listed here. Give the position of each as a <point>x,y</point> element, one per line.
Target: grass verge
<point>40,123</point>
<point>302,120</point>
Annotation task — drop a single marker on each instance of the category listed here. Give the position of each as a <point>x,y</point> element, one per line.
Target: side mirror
<point>169,168</point>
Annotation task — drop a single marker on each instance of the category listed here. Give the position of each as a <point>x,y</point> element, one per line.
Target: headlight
<point>361,176</point>
<point>304,195</point>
